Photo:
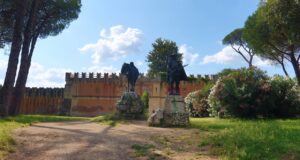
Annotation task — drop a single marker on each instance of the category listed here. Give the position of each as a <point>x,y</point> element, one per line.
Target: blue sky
<point>110,32</point>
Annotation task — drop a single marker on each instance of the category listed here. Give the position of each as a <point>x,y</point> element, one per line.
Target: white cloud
<point>228,56</point>
<point>3,65</point>
<point>139,63</point>
<point>114,44</point>
<point>39,76</point>
<point>188,56</point>
<point>103,69</point>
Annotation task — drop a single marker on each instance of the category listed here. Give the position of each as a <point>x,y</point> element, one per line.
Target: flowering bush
<point>197,104</point>
<point>283,98</point>
<point>248,93</point>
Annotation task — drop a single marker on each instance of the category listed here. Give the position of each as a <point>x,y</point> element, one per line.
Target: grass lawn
<point>8,124</point>
<point>250,139</point>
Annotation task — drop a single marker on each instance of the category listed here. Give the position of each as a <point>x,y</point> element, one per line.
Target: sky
<point>111,32</point>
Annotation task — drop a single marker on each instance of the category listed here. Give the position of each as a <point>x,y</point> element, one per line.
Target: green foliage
<point>273,32</point>
<point>250,139</point>
<point>53,17</point>
<point>249,93</point>
<point>225,72</point>
<point>197,104</point>
<point>145,99</point>
<point>234,38</point>
<point>7,9</point>
<point>110,119</point>
<point>283,97</point>
<point>237,42</point>
<point>7,125</point>
<point>141,149</point>
<point>157,58</point>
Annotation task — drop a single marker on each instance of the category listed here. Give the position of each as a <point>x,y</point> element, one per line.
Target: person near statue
<point>175,74</point>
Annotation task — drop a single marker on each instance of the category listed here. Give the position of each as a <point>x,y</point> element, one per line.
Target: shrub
<point>197,104</point>
<point>283,98</point>
<point>249,93</point>
<point>235,94</point>
<point>145,99</point>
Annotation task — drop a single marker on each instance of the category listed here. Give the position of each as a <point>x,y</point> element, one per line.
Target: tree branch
<point>239,52</point>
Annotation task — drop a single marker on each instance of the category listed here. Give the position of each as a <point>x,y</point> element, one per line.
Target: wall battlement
<point>88,77</point>
<point>51,92</point>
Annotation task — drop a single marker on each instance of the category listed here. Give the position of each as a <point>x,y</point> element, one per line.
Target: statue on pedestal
<point>173,113</point>
<point>132,74</point>
<point>130,104</point>
<point>175,74</point>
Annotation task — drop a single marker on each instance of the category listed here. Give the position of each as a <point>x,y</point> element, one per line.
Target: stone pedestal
<point>130,105</point>
<point>173,113</point>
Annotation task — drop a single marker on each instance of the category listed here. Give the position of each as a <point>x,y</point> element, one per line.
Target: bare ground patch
<point>90,141</point>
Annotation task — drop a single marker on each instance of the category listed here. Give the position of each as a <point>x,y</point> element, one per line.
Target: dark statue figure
<point>175,74</point>
<point>131,73</point>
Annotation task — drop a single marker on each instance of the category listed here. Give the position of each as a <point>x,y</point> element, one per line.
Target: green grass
<point>110,119</point>
<point>141,149</point>
<point>7,125</point>
<point>251,139</point>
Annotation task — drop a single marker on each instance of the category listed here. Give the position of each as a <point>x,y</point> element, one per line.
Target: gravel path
<point>90,141</point>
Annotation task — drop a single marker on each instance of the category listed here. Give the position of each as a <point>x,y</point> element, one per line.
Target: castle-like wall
<point>42,101</point>
<point>93,94</point>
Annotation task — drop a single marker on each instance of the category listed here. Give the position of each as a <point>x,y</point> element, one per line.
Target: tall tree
<point>48,18</point>
<point>16,43</point>
<point>157,57</point>
<point>239,45</point>
<point>274,31</point>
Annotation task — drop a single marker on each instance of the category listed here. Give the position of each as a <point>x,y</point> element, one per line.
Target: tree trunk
<point>8,86</point>
<point>296,68</point>
<point>25,60</point>
<point>251,60</point>
<point>284,70</point>
<point>21,81</point>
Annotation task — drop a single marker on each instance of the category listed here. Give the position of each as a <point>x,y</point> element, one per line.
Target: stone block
<point>130,105</point>
<point>172,114</point>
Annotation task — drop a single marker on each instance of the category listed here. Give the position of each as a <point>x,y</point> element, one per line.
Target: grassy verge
<point>251,139</point>
<point>110,119</point>
<point>7,125</point>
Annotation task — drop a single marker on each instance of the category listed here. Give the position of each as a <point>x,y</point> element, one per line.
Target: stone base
<point>130,105</point>
<point>176,119</point>
<point>172,114</point>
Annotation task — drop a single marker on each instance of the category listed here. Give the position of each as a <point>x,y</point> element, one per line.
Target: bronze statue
<point>131,73</point>
<point>175,73</point>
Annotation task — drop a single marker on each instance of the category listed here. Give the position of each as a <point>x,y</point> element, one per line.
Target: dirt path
<point>91,141</point>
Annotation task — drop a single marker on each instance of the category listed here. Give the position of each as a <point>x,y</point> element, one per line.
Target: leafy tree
<point>157,58</point>
<point>42,19</point>
<point>274,31</point>
<point>50,18</point>
<point>239,45</point>
<point>256,34</point>
<point>11,26</point>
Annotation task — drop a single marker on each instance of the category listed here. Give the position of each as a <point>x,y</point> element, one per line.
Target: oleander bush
<point>250,93</point>
<point>197,104</point>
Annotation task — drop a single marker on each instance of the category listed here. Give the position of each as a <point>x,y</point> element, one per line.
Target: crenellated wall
<point>89,94</point>
<point>42,101</point>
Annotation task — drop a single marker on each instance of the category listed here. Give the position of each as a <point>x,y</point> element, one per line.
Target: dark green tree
<point>12,17</point>
<point>273,31</point>
<point>45,19</point>
<point>239,45</point>
<point>41,18</point>
<point>157,57</point>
